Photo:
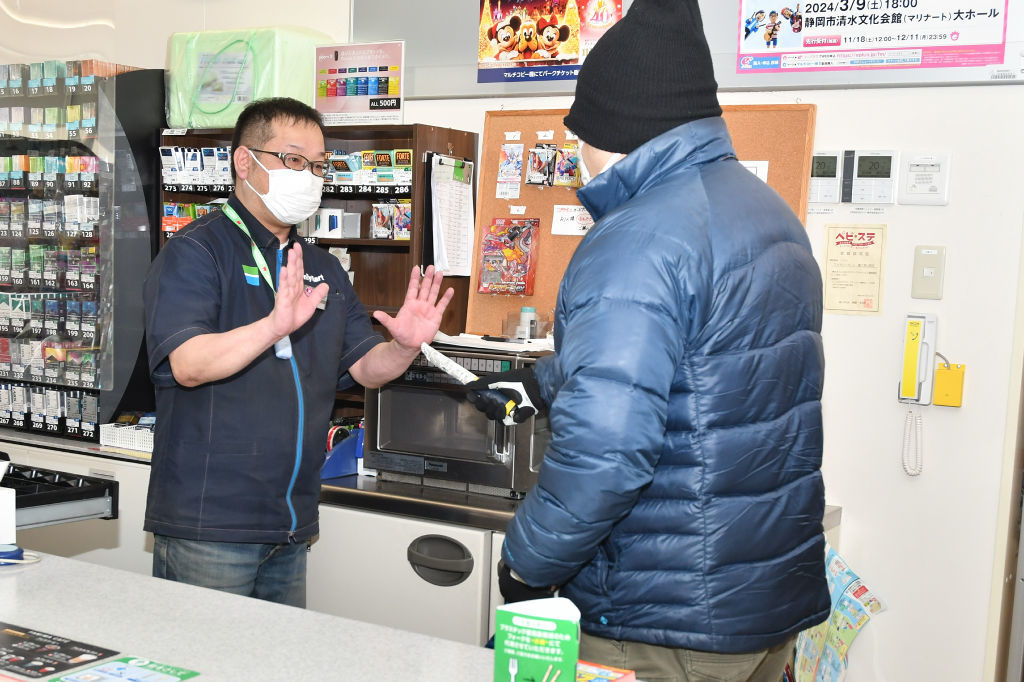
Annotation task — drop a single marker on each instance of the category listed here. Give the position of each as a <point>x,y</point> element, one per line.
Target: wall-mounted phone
<point>916,381</point>
<point>918,367</point>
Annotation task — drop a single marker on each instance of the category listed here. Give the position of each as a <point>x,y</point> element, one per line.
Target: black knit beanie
<point>647,74</point>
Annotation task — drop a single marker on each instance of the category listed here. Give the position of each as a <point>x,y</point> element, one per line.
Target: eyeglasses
<point>298,162</point>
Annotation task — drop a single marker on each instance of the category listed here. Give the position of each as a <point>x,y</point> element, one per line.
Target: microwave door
<point>437,421</point>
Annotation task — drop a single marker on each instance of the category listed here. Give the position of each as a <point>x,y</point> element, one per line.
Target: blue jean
<point>274,573</point>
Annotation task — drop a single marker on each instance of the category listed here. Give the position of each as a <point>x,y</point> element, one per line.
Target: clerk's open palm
<point>294,305</point>
<point>420,315</point>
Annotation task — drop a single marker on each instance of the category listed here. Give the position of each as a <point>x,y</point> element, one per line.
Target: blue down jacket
<point>680,502</point>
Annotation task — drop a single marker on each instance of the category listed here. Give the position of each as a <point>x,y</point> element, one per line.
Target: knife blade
<point>464,376</point>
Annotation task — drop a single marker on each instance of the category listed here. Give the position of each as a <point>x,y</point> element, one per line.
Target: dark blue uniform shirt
<point>238,460</point>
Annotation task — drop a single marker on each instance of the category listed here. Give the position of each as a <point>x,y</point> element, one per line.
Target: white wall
<point>135,32</point>
<point>932,547</point>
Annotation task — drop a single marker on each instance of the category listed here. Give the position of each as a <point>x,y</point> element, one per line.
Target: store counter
<point>485,512</point>
<point>221,636</point>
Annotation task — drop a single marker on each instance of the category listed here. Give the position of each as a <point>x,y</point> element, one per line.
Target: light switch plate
<point>929,272</point>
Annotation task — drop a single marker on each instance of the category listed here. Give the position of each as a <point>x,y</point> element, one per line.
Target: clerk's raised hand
<point>419,318</point>
<point>295,303</point>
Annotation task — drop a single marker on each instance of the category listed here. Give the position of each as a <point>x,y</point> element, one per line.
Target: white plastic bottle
<point>527,328</point>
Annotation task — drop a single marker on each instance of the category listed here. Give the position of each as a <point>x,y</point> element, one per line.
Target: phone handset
<point>915,387</point>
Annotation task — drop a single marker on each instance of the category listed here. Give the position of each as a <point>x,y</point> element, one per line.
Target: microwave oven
<point>421,428</point>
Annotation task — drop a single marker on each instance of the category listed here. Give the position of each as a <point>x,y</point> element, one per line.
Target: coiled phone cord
<point>913,444</point>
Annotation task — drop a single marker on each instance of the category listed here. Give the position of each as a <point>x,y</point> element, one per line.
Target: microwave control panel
<point>422,372</point>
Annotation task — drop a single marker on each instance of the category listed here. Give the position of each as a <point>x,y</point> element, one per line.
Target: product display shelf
<point>77,202</point>
<point>381,266</point>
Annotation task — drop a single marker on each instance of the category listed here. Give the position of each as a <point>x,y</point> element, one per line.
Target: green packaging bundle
<point>537,639</point>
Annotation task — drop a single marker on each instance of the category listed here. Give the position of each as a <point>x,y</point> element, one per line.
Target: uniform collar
<point>263,237</point>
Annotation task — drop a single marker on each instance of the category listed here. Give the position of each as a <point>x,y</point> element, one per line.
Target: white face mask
<point>292,196</point>
<point>585,176</point>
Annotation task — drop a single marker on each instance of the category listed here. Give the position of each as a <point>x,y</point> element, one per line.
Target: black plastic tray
<point>34,487</point>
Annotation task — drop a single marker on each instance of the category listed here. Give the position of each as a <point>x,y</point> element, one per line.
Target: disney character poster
<point>508,262</point>
<point>530,40</point>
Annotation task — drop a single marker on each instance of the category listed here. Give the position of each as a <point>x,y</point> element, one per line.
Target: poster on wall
<point>844,35</point>
<point>538,40</point>
<point>854,269</point>
<point>360,83</point>
<point>508,260</point>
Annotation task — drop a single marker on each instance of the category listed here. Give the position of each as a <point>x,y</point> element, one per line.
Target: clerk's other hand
<point>419,318</point>
<point>514,590</point>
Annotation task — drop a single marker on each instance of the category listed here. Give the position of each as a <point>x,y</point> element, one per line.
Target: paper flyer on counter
<point>821,652</point>
<point>360,83</point>
<point>539,40</point>
<point>130,668</point>
<point>843,35</point>
<point>34,654</point>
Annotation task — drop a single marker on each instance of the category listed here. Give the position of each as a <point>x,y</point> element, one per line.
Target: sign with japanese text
<point>360,83</point>
<point>854,268</point>
<point>539,40</point>
<point>837,35</point>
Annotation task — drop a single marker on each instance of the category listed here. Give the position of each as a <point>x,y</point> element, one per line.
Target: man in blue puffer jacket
<point>680,502</point>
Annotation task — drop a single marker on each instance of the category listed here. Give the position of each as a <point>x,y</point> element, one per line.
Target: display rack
<point>381,266</point>
<point>77,200</point>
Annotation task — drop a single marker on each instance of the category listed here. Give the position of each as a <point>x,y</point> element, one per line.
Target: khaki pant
<point>665,664</point>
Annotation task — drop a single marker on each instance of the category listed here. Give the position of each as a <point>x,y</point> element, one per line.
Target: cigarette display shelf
<point>381,266</point>
<point>98,185</point>
<point>347,190</point>
<point>44,497</point>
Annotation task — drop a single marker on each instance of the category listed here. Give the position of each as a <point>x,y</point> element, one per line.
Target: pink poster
<point>840,35</point>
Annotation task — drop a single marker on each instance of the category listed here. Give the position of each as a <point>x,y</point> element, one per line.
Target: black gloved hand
<point>491,395</point>
<point>514,590</point>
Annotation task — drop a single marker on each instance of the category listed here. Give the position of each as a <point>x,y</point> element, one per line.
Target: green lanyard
<point>257,256</point>
<point>283,346</point>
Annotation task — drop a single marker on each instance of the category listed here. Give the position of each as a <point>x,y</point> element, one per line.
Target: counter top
<point>485,512</point>
<point>222,636</point>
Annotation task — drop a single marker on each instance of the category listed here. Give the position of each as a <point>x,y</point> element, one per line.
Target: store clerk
<point>250,332</point>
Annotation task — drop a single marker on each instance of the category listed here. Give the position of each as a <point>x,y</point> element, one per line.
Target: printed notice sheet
<point>451,191</point>
<point>854,268</point>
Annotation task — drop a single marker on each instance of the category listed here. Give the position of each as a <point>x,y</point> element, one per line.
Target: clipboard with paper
<point>448,239</point>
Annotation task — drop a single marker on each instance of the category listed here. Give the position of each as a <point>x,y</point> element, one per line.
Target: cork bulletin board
<point>781,135</point>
